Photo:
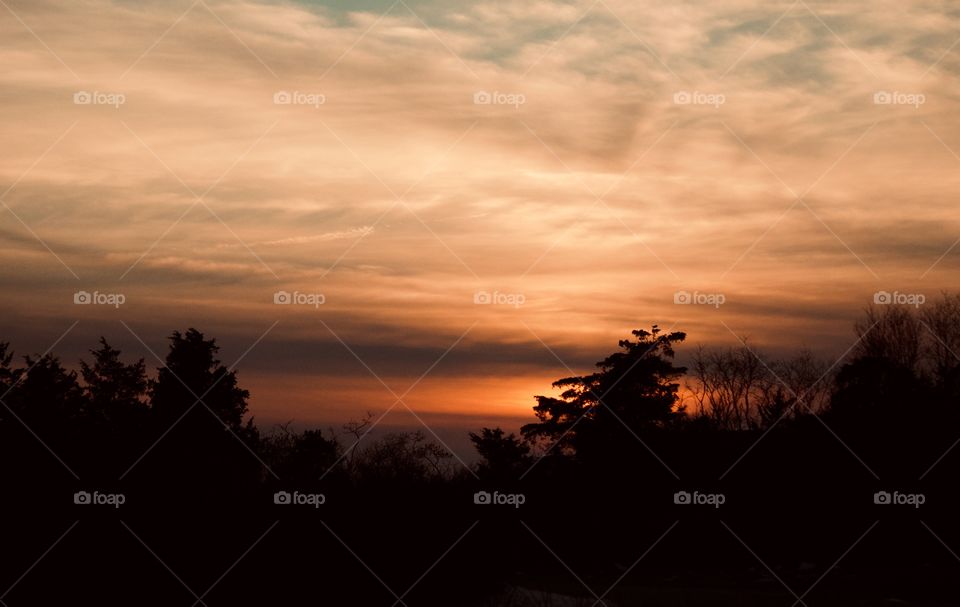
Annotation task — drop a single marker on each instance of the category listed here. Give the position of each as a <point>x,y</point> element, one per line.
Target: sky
<point>442,207</point>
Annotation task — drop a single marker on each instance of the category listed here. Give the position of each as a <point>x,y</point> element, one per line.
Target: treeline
<point>798,447</point>
<point>901,373</point>
<point>902,368</point>
<point>112,422</point>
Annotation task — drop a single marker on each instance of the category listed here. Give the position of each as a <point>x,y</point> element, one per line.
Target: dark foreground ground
<point>798,524</point>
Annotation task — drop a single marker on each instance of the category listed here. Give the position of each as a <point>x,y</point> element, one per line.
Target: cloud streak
<point>618,181</point>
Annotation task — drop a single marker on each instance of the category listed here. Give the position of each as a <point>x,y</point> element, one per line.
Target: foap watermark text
<point>699,98</point>
<point>496,298</point>
<point>496,498</point>
<point>896,498</point>
<point>899,98</point>
<point>296,498</point>
<point>299,98</point>
<point>86,298</point>
<point>498,98</point>
<point>99,98</point>
<point>286,298</point>
<point>699,299</point>
<point>96,498</point>
<point>696,498</point>
<point>896,298</point>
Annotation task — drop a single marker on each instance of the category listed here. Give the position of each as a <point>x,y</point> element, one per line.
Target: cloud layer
<point>593,158</point>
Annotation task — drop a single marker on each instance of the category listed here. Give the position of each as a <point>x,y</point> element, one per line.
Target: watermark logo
<point>687,298</point>
<point>496,298</point>
<point>498,98</point>
<point>85,298</point>
<point>99,98</point>
<point>685,498</point>
<point>85,498</point>
<point>485,498</point>
<point>285,298</point>
<point>899,98</point>
<point>299,98</point>
<point>699,98</point>
<point>285,498</point>
<point>886,298</point>
<point>885,498</point>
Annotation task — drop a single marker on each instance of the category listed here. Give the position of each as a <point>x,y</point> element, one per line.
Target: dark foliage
<point>797,447</point>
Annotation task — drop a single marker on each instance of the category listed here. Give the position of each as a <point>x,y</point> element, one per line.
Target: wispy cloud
<point>623,151</point>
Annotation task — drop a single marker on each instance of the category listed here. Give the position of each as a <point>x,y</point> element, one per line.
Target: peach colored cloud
<point>630,151</point>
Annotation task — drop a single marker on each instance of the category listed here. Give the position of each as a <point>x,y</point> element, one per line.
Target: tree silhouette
<point>941,320</point>
<point>9,376</point>
<point>729,386</point>
<point>893,334</point>
<point>503,454</point>
<point>887,372</point>
<point>47,393</point>
<point>403,457</point>
<point>302,457</point>
<point>115,391</point>
<point>198,408</point>
<point>735,390</point>
<point>192,374</point>
<point>634,390</point>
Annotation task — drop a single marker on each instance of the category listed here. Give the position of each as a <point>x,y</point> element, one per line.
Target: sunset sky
<point>792,158</point>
